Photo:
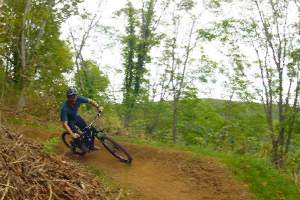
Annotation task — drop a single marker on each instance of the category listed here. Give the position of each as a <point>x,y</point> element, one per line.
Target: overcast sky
<point>109,59</point>
<point>107,51</point>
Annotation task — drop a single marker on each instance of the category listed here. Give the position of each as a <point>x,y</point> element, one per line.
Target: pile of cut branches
<point>27,173</point>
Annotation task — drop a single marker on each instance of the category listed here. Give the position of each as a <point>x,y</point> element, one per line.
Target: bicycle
<point>84,142</point>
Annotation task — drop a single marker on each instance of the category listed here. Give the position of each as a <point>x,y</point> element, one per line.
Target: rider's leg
<point>82,124</point>
<point>72,125</point>
<point>75,142</point>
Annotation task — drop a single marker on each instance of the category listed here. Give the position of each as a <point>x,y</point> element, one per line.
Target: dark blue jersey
<point>69,113</point>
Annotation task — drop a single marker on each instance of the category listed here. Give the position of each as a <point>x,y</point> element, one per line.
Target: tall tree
<point>267,30</point>
<point>145,41</point>
<point>177,54</point>
<point>78,44</point>
<point>139,39</point>
<point>30,27</point>
<point>129,53</point>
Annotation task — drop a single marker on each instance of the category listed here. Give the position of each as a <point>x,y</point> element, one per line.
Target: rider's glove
<point>75,135</point>
<point>99,109</point>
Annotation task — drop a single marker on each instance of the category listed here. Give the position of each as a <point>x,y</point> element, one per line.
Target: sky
<point>107,51</point>
<point>109,59</point>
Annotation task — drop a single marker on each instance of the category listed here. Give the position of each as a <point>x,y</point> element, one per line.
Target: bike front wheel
<point>67,139</point>
<point>116,149</point>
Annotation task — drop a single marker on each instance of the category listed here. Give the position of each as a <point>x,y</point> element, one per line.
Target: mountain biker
<point>69,117</point>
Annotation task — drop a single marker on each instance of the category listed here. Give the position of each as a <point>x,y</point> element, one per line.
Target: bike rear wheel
<point>116,149</point>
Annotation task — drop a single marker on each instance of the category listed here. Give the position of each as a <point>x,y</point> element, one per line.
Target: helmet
<point>71,91</point>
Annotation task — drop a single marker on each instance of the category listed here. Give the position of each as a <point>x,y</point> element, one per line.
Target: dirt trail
<point>164,174</point>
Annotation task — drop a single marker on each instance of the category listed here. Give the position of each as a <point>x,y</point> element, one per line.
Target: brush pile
<point>27,173</point>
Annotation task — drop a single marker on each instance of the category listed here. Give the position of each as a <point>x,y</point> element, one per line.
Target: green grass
<point>112,187</point>
<point>53,127</point>
<point>18,121</point>
<point>264,181</point>
<point>33,122</point>
<point>49,147</point>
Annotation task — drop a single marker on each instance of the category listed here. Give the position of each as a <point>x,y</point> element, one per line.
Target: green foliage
<point>57,60</point>
<point>50,145</point>
<point>214,3</point>
<point>293,164</point>
<point>129,54</point>
<point>263,179</point>
<point>139,39</point>
<point>222,125</point>
<point>2,76</point>
<point>205,34</point>
<point>186,5</point>
<point>94,82</point>
<point>279,81</point>
<point>198,127</point>
<point>47,59</point>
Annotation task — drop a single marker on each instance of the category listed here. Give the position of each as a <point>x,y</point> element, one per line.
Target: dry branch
<point>31,174</point>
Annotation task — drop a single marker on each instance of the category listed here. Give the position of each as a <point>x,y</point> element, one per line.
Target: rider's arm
<point>64,120</point>
<point>95,104</point>
<point>67,127</point>
<point>83,99</point>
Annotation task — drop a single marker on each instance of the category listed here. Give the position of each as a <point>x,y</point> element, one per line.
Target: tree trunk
<point>1,3</point>
<point>22,101</point>
<point>127,118</point>
<point>175,118</point>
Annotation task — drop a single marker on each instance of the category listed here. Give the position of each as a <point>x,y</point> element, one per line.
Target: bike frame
<point>93,121</point>
<point>84,142</point>
<point>88,127</point>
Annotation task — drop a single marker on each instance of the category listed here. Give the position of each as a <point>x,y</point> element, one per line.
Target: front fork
<point>99,134</point>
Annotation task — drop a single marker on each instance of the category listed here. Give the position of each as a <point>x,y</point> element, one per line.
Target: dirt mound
<point>168,174</point>
<point>27,173</point>
<point>205,176</point>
